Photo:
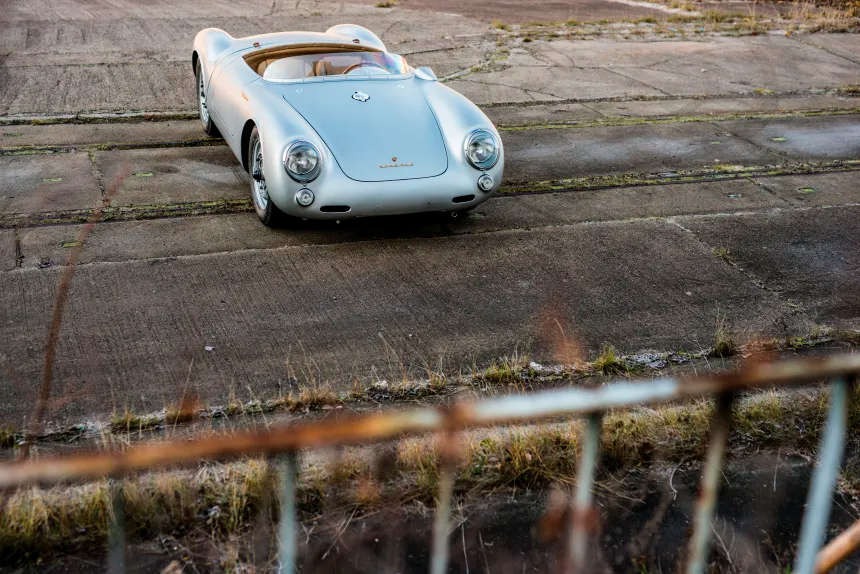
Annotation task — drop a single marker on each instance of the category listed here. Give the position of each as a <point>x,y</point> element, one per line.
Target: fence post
<point>449,450</point>
<point>700,542</point>
<point>288,521</point>
<point>116,528</point>
<point>818,499</point>
<point>577,544</point>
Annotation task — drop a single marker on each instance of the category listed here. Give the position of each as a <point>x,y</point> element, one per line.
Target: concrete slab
<point>717,65</point>
<point>845,46</point>
<point>173,237</point>
<point>816,190</point>
<point>122,132</point>
<point>803,138</point>
<point>118,61</point>
<point>809,257</point>
<point>701,107</point>
<point>518,115</point>
<point>109,87</point>
<point>174,175</point>
<point>7,250</point>
<point>559,153</point>
<point>367,307</point>
<point>526,84</point>
<point>37,183</point>
<point>531,10</point>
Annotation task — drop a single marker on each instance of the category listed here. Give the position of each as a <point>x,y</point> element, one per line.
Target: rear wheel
<point>267,211</point>
<point>206,119</point>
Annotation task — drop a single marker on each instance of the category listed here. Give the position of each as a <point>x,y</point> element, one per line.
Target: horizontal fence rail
<point>840,371</point>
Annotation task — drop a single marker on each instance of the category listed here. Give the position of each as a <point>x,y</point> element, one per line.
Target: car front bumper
<point>368,199</point>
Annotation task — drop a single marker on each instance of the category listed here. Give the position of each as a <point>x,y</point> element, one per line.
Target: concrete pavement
<point>631,166</point>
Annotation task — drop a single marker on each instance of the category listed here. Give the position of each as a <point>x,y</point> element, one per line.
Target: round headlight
<point>302,161</point>
<point>482,149</point>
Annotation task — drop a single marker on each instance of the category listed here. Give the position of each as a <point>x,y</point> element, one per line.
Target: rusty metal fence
<point>285,442</point>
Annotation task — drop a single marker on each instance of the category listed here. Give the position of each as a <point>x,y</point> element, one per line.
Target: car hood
<point>391,135</point>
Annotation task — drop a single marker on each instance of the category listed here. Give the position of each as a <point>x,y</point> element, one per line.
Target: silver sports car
<point>332,125</point>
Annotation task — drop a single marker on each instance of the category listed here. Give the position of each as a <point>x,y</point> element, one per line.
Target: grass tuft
<point>724,343</point>
<point>609,362</point>
<point>506,371</point>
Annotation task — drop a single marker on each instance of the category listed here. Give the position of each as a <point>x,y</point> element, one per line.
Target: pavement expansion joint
<point>850,91</point>
<point>591,183</point>
<point>604,122</point>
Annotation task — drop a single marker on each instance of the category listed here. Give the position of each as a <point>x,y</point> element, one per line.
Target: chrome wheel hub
<point>261,196</point>
<point>201,97</point>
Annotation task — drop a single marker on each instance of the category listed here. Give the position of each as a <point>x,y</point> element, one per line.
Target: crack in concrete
<point>820,47</point>
<point>646,84</point>
<point>794,306</point>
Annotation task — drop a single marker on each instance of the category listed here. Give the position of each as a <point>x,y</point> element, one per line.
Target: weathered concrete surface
<point>173,175</point>
<point>811,258</point>
<point>140,133</point>
<point>351,310</point>
<point>173,237</point>
<point>560,153</point>
<point>847,48</point>
<point>524,11</point>
<point>187,174</point>
<point>7,250</point>
<point>36,183</point>
<point>815,190</point>
<point>126,56</point>
<point>822,137</point>
<point>631,266</point>
<point>699,107</point>
<point>93,57</point>
<point>593,69</point>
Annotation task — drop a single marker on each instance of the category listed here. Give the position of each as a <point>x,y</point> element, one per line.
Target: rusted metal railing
<point>286,441</point>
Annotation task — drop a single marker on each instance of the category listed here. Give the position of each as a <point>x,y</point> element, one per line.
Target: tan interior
<point>260,60</point>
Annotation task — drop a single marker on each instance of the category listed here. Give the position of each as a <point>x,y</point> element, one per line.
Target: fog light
<point>304,197</point>
<point>485,182</point>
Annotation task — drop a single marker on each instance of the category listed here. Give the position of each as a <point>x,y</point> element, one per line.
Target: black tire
<point>205,117</point>
<point>266,210</point>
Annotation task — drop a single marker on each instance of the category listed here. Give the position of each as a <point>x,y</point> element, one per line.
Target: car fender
<point>458,117</point>
<point>210,46</point>
<point>279,125</point>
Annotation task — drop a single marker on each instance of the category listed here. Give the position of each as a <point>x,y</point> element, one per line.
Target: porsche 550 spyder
<point>332,125</point>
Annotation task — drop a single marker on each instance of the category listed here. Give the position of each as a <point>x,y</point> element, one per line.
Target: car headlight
<point>302,161</point>
<point>482,149</point>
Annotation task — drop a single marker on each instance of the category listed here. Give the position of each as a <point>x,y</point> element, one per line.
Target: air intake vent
<point>463,199</point>
<point>334,208</point>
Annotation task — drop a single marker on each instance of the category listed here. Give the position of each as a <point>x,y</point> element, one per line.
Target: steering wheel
<point>358,65</point>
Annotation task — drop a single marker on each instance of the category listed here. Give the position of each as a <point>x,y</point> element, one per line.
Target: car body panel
<point>424,123</point>
<point>376,139</point>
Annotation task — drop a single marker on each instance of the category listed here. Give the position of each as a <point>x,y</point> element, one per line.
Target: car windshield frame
<point>407,73</point>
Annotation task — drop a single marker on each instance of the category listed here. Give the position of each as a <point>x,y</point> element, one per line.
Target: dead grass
<point>724,343</point>
<point>223,498</point>
<point>609,362</point>
<point>506,371</point>
<point>128,422</point>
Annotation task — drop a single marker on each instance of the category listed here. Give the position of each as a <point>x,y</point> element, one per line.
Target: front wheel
<point>267,211</point>
<point>205,118</point>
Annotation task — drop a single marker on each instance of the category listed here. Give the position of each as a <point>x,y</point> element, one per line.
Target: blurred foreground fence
<point>840,372</point>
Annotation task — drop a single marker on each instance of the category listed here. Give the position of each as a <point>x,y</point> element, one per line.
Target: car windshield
<point>332,64</point>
